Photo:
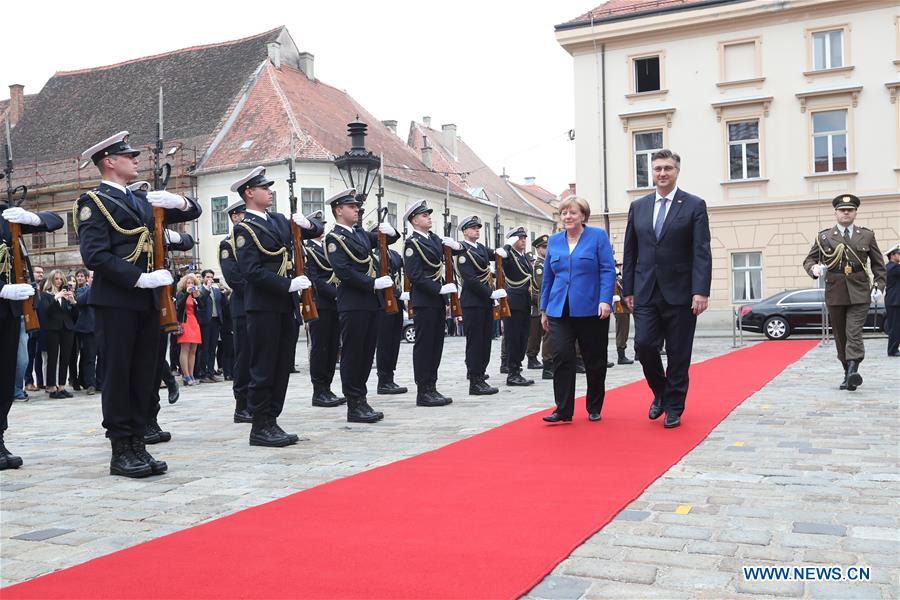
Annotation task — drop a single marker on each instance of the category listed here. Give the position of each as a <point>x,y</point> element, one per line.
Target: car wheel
<point>409,334</point>
<point>776,328</point>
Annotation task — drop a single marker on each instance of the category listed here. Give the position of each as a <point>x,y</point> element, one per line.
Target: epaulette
<point>861,228</point>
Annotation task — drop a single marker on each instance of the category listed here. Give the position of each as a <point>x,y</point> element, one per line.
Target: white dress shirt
<point>657,204</point>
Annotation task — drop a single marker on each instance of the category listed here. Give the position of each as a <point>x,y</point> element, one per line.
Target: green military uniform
<point>536,335</point>
<point>854,266</point>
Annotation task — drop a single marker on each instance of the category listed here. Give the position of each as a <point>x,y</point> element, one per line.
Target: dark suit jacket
<point>680,262</point>
<point>56,316</point>
<point>85,322</point>
<point>892,292</point>
<point>212,296</point>
<point>49,222</point>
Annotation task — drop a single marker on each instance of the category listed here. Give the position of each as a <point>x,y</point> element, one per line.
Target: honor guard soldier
<point>324,332</point>
<point>240,384</point>
<point>390,327</point>
<point>359,297</point>
<point>262,241</point>
<point>424,264</point>
<point>477,302</point>
<point>892,301</point>
<point>519,278</point>
<point>623,320</point>
<point>536,333</point>
<point>115,229</point>
<point>847,255</point>
<point>13,292</point>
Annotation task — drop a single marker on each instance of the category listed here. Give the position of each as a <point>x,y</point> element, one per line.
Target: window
<point>274,207</point>
<point>646,74</point>
<point>219,217</point>
<point>740,61</point>
<point>39,240</point>
<point>746,276</point>
<point>392,214</point>
<point>645,144</point>
<point>71,234</point>
<point>486,238</point>
<point>830,141</point>
<point>311,200</point>
<point>743,150</point>
<point>804,297</point>
<point>454,227</point>
<point>828,49</point>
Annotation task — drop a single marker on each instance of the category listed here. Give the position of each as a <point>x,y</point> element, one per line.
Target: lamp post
<point>358,166</point>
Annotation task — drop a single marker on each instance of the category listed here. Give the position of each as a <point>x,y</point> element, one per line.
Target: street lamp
<point>358,166</point>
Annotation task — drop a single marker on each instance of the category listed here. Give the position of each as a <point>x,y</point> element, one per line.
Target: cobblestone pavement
<point>799,474</point>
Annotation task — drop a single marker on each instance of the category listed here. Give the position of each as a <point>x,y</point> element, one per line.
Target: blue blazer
<point>586,277</point>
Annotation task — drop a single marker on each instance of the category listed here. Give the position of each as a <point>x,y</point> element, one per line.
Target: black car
<point>796,311</point>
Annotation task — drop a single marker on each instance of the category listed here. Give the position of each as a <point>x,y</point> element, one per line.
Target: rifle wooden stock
<point>501,311</point>
<point>32,323</point>
<point>307,304</point>
<point>455,310</point>
<point>168,320</point>
<point>384,268</point>
<point>407,287</point>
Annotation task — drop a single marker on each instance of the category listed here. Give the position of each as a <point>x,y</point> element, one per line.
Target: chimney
<point>391,124</point>
<point>450,138</point>
<point>16,103</point>
<point>504,176</point>
<point>306,62</point>
<point>274,49</point>
<point>529,181</point>
<point>426,121</point>
<point>426,153</point>
<point>572,188</point>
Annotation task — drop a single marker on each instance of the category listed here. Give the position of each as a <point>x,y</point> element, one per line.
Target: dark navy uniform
<point>518,274</point>
<point>892,303</point>
<point>390,330</point>
<point>477,286</point>
<point>10,319</point>
<point>324,332</point>
<point>241,371</point>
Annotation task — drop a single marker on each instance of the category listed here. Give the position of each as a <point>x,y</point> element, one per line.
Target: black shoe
<point>479,387</point>
<point>268,436</point>
<point>894,353</point>
<point>323,399</point>
<point>54,395</point>
<point>624,360</point>
<point>504,368</point>
<point>228,378</point>
<point>440,395</point>
<point>156,434</point>
<point>340,400</point>
<point>555,417</point>
<point>292,436</point>
<point>610,364</point>
<point>357,414</point>
<point>75,387</point>
<point>174,391</point>
<point>655,408</point>
<point>672,421</point>
<point>243,416</point>
<point>854,379</point>
<point>428,398</point>
<point>8,460</point>
<point>593,416</point>
<point>91,390</point>
<point>157,467</point>
<point>124,462</point>
<point>386,385</point>
<point>516,379</point>
<point>364,405</point>
<point>534,363</point>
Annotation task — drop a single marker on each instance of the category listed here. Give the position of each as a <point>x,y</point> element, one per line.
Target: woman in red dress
<point>187,302</point>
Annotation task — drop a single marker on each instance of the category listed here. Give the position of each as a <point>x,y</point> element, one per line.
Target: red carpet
<point>486,517</point>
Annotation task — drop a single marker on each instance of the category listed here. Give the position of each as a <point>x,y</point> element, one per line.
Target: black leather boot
<point>515,378</point>
<point>8,460</point>
<point>291,436</point>
<point>504,365</point>
<point>364,404</point>
<point>242,416</point>
<point>534,363</point>
<point>124,462</point>
<point>174,392</point>
<point>155,435</point>
<point>386,384</point>
<point>843,385</point>
<point>624,360</point>
<point>610,364</point>
<point>264,434</point>
<point>358,414</point>
<point>854,379</point>
<point>339,399</point>
<point>157,467</point>
<point>322,398</point>
<point>428,396</point>
<point>437,394</point>
<point>479,387</point>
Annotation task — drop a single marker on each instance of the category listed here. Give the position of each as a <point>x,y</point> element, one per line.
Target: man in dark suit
<point>892,301</point>
<point>666,278</point>
<point>210,321</point>
<point>84,333</point>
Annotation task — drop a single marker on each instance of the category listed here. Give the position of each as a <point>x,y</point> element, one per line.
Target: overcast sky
<point>492,68</point>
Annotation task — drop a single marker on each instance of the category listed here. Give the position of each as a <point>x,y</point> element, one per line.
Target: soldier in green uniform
<point>535,335</point>
<point>847,255</point>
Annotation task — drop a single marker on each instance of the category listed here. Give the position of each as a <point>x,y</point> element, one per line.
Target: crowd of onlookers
<point>61,356</point>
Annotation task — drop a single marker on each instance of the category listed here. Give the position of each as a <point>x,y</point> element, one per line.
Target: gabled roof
<point>617,10</point>
<point>537,196</point>
<point>75,109</point>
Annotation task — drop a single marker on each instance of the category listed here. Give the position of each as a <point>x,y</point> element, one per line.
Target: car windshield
<point>804,297</point>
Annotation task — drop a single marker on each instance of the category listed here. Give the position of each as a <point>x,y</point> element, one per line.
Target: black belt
<point>853,269</point>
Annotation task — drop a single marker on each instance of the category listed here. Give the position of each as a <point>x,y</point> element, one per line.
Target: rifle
<point>21,264</point>
<point>455,310</point>
<point>168,320</point>
<point>407,286</point>
<point>501,310</point>
<point>307,304</point>
<point>384,267</point>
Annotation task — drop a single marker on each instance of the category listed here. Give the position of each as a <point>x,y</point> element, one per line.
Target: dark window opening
<point>646,74</point>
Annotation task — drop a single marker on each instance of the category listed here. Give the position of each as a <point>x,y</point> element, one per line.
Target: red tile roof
<point>623,9</point>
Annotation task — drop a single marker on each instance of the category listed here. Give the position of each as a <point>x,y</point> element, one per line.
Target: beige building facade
<point>775,108</point>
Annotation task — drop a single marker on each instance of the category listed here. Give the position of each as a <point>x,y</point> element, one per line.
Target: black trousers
<point>591,334</point>
<point>430,325</point>
<point>34,373</point>
<point>270,335</point>
<point>87,368</point>
<point>359,335</point>
<point>9,348</point>
<point>390,332</point>
<point>325,337</point>
<point>655,322</point>
<point>74,371</point>
<point>128,341</point>
<point>59,351</point>
<point>163,374</point>
<point>241,382</point>
<point>892,327</point>
<point>479,334</point>
<point>516,329</point>
<point>225,353</point>
<point>206,354</point>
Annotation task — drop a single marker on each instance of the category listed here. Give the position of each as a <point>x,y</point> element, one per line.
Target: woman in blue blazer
<point>576,301</point>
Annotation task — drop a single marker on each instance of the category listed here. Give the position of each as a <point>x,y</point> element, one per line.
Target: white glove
<point>449,288</point>
<point>512,240</point>
<point>16,291</point>
<point>877,295</point>
<point>404,297</point>
<point>155,279</point>
<point>818,270</point>
<point>497,294</point>
<point>384,282</point>
<point>386,229</point>
<point>19,215</point>
<point>617,298</point>
<point>174,236</point>
<point>301,221</point>
<point>451,243</point>
<point>300,283</point>
<point>501,252</point>
<point>164,199</point>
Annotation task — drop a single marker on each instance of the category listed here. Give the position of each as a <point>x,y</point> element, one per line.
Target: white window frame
<point>644,153</point>
<point>305,204</point>
<point>219,218</point>
<point>827,57</point>
<point>830,137</point>
<point>743,144</point>
<point>747,271</point>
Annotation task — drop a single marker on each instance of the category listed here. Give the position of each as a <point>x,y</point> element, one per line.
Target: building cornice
<point>765,101</point>
<point>851,90</point>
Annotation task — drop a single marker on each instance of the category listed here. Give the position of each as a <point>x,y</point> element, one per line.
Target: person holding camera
<point>58,305</point>
<point>187,303</point>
